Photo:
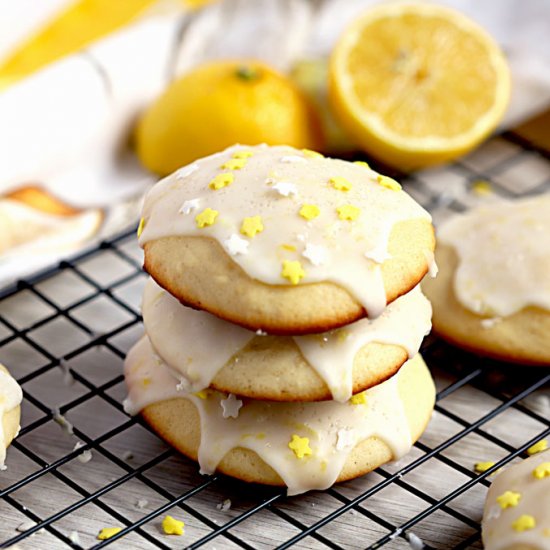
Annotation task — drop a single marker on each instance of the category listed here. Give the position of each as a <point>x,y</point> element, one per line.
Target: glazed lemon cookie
<point>10,413</point>
<point>517,509</point>
<point>283,240</point>
<point>492,293</point>
<point>301,445</point>
<point>205,351</point>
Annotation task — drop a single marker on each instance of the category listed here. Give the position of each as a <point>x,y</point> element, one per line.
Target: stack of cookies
<point>283,317</point>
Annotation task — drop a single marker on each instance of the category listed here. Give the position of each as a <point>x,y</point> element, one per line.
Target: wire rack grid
<point>80,463</point>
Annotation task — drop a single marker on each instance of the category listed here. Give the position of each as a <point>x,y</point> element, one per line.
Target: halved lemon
<point>417,84</point>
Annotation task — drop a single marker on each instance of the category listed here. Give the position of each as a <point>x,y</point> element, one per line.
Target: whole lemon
<point>219,104</point>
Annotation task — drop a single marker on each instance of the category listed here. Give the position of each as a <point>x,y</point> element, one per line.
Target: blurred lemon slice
<point>418,84</point>
<point>78,25</point>
<point>219,104</point>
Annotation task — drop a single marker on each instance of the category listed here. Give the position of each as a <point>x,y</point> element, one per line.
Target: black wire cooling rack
<point>80,463</point>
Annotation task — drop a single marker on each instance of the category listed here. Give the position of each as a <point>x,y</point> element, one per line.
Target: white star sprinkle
<point>186,171</point>
<point>261,332</point>
<point>231,406</point>
<point>315,253</point>
<point>188,206</point>
<point>346,439</point>
<point>378,254</point>
<point>292,158</point>
<point>236,245</point>
<point>490,323</point>
<point>285,188</point>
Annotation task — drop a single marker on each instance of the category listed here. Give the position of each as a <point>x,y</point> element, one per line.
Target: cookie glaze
<point>11,396</point>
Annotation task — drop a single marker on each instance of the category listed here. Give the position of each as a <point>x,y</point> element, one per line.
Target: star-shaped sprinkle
<point>316,254</point>
<point>108,532</point>
<point>348,212</point>
<point>508,499</point>
<point>524,523</point>
<point>141,227</point>
<point>242,154</point>
<point>340,184</point>
<point>231,406</point>
<point>308,153</point>
<point>146,382</point>
<point>252,226</point>
<point>221,181</point>
<point>233,164</point>
<point>285,188</point>
<point>293,271</point>
<point>378,254</point>
<point>172,526</point>
<point>186,171</point>
<point>388,183</point>
<point>358,399</point>
<point>542,470</point>
<point>481,467</point>
<point>362,163</point>
<point>236,245</point>
<point>345,439</point>
<point>300,446</point>
<point>202,394</point>
<point>538,447</point>
<point>188,206</point>
<point>206,217</point>
<point>309,211</point>
<point>292,159</point>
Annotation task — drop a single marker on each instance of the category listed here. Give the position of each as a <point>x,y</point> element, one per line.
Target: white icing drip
<point>267,427</point>
<point>347,241</point>
<point>11,396</point>
<point>497,530</point>
<point>184,336</point>
<point>504,256</point>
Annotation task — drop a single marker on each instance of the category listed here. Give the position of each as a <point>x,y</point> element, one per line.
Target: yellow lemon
<point>217,105</point>
<point>417,84</point>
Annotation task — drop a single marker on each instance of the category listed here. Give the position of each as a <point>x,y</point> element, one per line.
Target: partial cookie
<point>492,295</point>
<point>276,239</point>
<point>304,446</point>
<point>208,352</point>
<point>517,509</point>
<point>10,412</point>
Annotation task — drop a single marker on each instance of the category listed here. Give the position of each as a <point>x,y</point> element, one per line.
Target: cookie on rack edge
<point>10,411</point>
<point>492,293</point>
<point>283,240</point>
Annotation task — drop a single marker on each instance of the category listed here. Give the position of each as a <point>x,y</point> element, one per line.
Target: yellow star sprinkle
<point>202,394</point>
<point>388,183</point>
<point>542,470</point>
<point>233,164</point>
<point>524,523</point>
<point>508,499</point>
<point>172,526</point>
<point>308,153</point>
<point>481,467</point>
<point>293,271</point>
<point>221,180</point>
<point>340,184</point>
<point>538,447</point>
<point>242,154</point>
<point>482,187</point>
<point>141,227</point>
<point>251,226</point>
<point>362,163</point>
<point>146,382</point>
<point>309,211</point>
<point>300,446</point>
<point>348,212</point>
<point>358,399</point>
<point>206,217</point>
<point>108,532</point>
